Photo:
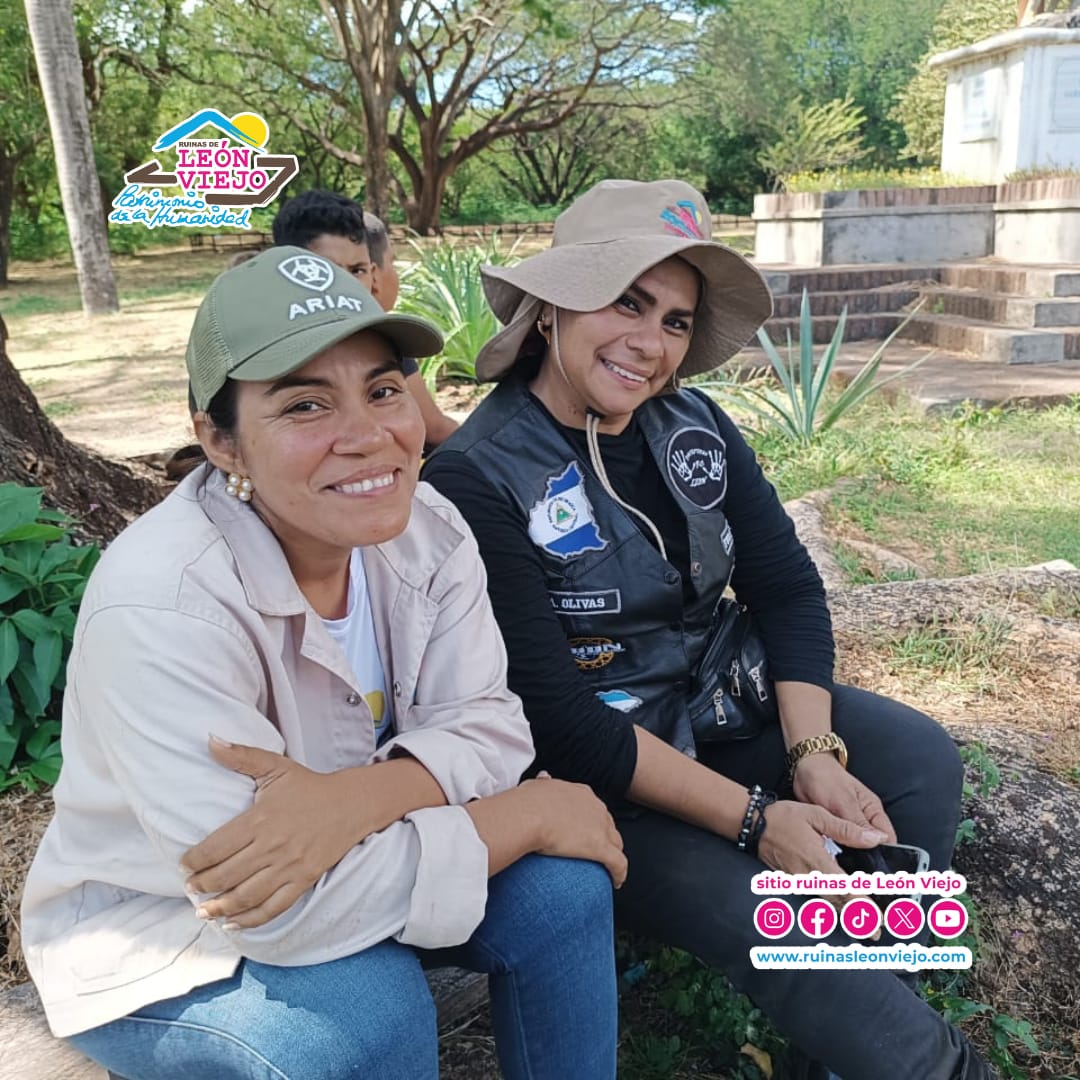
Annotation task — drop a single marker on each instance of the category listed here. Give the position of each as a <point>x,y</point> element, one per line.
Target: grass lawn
<point>976,491</point>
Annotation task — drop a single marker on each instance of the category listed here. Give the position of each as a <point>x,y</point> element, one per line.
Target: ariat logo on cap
<point>308,271</point>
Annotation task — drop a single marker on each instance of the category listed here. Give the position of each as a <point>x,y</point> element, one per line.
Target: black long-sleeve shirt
<point>577,736</point>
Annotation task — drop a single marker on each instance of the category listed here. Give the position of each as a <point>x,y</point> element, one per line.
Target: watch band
<point>817,744</point>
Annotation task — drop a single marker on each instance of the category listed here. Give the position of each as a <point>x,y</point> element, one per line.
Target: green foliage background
<point>740,75</point>
<point>920,106</point>
<point>42,578</point>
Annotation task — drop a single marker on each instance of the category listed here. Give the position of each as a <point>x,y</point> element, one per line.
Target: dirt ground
<point>117,383</point>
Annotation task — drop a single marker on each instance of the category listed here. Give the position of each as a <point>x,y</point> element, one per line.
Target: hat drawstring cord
<point>592,423</point>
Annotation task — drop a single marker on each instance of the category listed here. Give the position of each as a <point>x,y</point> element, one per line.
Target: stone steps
<point>997,312</point>
<point>1002,308</point>
<point>996,277</point>
<point>996,344</point>
<point>825,279</point>
<point>863,301</point>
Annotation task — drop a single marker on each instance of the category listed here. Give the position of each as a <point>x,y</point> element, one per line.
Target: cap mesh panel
<point>211,359</point>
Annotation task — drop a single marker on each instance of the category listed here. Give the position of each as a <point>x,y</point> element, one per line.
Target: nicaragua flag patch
<point>562,522</point>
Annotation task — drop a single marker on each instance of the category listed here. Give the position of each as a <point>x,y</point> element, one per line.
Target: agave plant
<point>444,285</point>
<point>798,408</point>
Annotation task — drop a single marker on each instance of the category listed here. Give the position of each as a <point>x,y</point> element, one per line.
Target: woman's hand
<point>577,825</point>
<point>549,817</point>
<point>302,824</point>
<point>793,840</point>
<point>821,780</point>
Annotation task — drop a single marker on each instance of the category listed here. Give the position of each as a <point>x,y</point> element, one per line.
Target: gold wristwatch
<point>817,744</point>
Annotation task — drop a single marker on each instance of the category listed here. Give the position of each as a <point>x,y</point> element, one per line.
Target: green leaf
<point>45,742</point>
<point>9,744</point>
<point>24,679</point>
<point>18,505</point>
<point>57,556</point>
<point>10,586</point>
<point>32,531</point>
<point>32,623</point>
<point>9,650</point>
<point>47,770</point>
<point>48,655</point>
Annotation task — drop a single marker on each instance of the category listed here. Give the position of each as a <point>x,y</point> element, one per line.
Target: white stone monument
<point>1012,102</point>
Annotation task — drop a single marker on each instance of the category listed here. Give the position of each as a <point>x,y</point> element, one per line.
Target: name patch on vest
<point>563,522</point>
<point>697,466</point>
<point>590,653</point>
<point>601,602</point>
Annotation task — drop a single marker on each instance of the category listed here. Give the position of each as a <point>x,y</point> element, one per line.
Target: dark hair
<point>378,238</point>
<point>317,213</point>
<point>222,414</point>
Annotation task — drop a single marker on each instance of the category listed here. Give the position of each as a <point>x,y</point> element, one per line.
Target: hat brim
<point>587,277</point>
<point>411,336</point>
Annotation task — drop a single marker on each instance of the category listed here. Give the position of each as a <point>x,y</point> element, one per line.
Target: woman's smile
<point>369,485</point>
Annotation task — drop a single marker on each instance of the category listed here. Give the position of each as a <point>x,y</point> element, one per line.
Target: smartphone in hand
<point>885,859</point>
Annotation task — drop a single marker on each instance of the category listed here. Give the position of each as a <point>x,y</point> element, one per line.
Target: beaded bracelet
<point>758,827</point>
<point>752,807</point>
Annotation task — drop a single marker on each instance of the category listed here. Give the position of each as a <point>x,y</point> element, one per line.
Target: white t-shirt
<point>355,633</point>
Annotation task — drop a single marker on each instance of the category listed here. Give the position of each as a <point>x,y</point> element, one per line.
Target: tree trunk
<point>377,165</point>
<point>102,495</point>
<point>52,28</point>
<point>424,212</point>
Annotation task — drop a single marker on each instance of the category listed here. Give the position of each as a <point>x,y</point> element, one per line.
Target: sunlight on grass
<point>969,658</point>
<point>977,491</point>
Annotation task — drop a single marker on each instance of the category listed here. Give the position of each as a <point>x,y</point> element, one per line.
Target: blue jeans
<point>546,943</point>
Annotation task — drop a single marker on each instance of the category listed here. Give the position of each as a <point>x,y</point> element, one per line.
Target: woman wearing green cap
<point>297,644</point>
<point>612,510</point>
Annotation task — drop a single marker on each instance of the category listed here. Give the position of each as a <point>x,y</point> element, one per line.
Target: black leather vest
<point>628,627</point>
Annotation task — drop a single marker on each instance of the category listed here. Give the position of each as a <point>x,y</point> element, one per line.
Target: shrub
<point>815,137</point>
<point>42,578</point>
<point>799,410</point>
<point>872,179</point>
<point>444,285</point>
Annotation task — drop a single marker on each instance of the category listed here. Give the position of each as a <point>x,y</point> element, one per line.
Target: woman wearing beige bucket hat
<point>612,510</point>
<point>277,656</point>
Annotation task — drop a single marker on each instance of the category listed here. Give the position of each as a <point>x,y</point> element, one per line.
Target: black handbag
<point>732,696</point>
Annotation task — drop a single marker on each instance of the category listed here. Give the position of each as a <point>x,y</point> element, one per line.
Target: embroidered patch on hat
<point>697,466</point>
<point>683,219</point>
<point>619,699</point>
<point>590,653</point>
<point>562,522</point>
<point>308,271</point>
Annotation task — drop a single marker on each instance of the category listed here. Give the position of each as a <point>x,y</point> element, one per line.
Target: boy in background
<point>336,227</point>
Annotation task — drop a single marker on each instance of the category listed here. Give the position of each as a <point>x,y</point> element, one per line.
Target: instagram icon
<point>774,918</point>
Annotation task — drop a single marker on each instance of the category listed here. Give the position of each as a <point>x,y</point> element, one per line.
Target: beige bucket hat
<point>606,240</point>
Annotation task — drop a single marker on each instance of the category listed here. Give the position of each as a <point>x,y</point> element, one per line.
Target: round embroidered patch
<point>697,466</point>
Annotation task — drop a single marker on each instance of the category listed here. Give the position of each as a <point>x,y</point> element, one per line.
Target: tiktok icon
<point>861,918</point>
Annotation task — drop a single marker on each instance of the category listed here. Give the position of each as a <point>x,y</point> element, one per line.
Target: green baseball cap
<point>272,314</point>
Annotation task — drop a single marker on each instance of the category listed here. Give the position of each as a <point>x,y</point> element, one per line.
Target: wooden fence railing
<point>721,223</point>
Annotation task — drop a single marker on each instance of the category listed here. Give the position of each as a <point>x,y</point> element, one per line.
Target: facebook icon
<point>817,919</point>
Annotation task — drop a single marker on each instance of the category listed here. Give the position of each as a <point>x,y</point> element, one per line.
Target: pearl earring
<point>239,486</point>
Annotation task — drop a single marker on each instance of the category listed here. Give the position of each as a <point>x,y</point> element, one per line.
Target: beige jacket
<point>192,624</point>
